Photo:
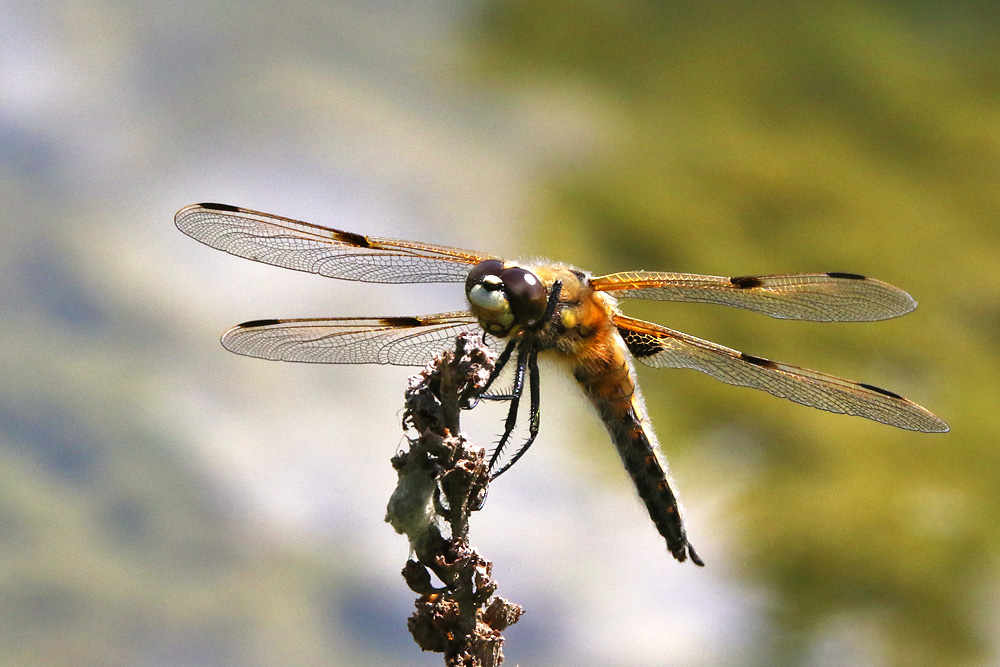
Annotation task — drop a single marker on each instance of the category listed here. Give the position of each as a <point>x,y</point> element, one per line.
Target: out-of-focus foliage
<point>739,138</point>
<point>114,549</point>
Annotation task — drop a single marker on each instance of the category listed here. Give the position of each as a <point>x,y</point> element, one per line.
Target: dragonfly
<point>524,310</point>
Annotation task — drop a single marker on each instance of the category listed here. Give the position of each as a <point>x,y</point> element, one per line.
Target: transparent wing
<point>329,252</point>
<point>819,297</point>
<point>403,341</point>
<point>661,347</point>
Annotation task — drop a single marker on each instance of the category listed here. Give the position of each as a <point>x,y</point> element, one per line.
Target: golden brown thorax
<point>581,327</point>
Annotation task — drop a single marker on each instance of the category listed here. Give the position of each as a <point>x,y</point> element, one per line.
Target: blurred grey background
<point>166,503</point>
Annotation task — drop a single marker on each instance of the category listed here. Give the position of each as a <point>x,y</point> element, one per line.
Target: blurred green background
<point>166,503</point>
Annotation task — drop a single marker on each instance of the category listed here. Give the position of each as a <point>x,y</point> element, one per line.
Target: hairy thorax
<point>581,329</point>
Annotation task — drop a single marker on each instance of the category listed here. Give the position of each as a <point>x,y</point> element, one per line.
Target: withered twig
<point>442,480</point>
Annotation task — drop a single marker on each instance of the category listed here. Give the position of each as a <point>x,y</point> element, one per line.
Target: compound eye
<point>479,273</point>
<point>525,292</point>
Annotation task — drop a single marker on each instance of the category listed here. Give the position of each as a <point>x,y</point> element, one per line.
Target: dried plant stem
<point>442,480</point>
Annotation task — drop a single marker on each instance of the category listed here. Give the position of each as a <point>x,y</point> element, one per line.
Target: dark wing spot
<point>401,321</point>
<point>757,361</point>
<point>258,323</point>
<point>846,276</point>
<point>640,346</point>
<point>221,207</point>
<point>746,282</point>
<point>880,390</point>
<point>356,240</point>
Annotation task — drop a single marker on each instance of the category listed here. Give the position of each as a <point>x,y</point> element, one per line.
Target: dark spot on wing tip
<point>356,240</point>
<point>220,207</point>
<point>253,324</point>
<point>757,361</point>
<point>746,282</point>
<point>401,321</point>
<point>886,392</point>
<point>846,276</point>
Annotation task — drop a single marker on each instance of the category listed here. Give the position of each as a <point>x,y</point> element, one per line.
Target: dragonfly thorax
<point>504,297</point>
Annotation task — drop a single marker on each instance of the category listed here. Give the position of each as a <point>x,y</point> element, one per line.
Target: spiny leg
<point>532,362</point>
<point>534,414</point>
<point>523,354</point>
<point>527,359</point>
<point>550,309</point>
<point>501,363</point>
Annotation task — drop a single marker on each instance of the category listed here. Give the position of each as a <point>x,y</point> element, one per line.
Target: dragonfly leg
<point>527,360</point>
<point>550,309</point>
<point>535,419</point>
<point>497,369</point>
<point>523,355</point>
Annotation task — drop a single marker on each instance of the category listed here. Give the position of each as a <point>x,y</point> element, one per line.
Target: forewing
<point>329,252</point>
<point>661,347</point>
<point>819,297</point>
<point>403,341</point>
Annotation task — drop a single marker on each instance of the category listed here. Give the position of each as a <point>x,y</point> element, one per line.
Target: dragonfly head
<point>504,297</point>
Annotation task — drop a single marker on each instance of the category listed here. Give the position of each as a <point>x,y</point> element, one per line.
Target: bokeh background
<point>166,503</point>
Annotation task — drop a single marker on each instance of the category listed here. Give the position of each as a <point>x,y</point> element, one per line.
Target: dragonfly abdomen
<point>615,394</point>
